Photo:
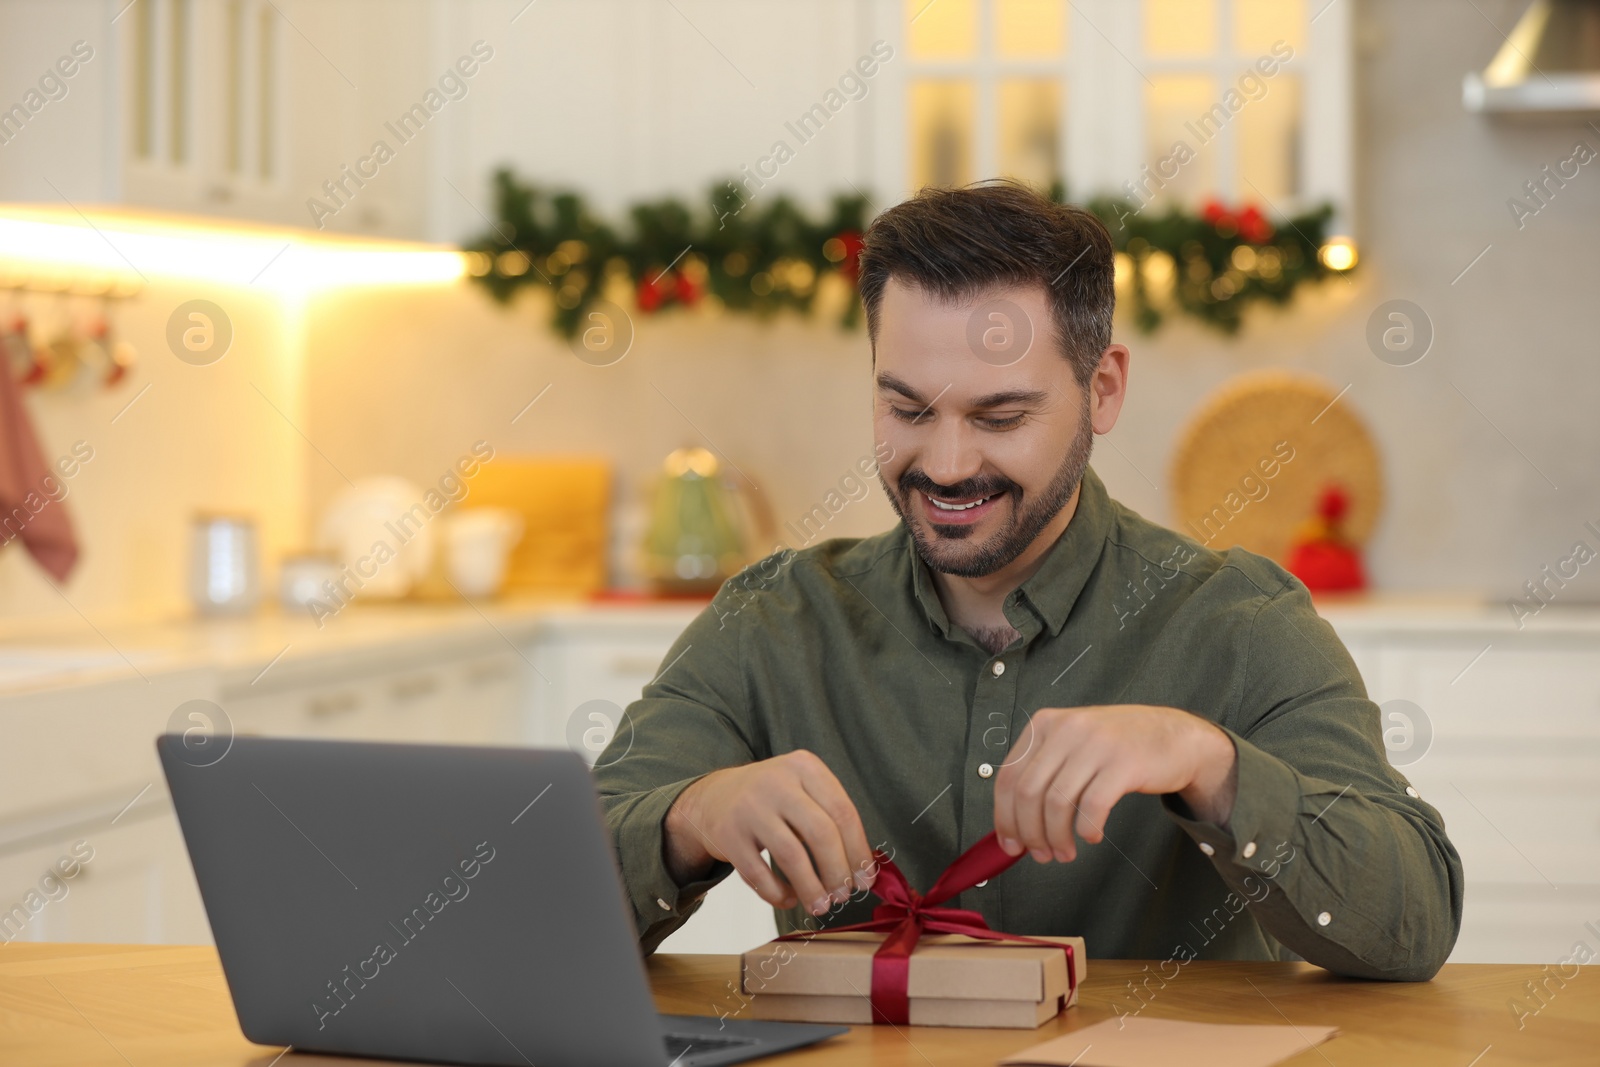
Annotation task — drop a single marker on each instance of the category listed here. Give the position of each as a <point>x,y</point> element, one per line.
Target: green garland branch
<point>767,256</point>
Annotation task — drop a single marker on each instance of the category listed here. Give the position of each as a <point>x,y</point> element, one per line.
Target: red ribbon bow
<point>907,914</point>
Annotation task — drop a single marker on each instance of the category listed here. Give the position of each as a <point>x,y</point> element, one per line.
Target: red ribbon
<point>906,914</point>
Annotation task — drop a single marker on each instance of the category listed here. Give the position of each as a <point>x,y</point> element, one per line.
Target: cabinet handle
<point>321,707</point>
<point>635,665</point>
<point>486,673</point>
<point>413,688</point>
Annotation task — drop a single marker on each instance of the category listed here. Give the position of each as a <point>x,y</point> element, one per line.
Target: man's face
<point>986,450</point>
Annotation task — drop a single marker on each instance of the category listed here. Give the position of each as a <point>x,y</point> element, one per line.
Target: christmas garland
<point>762,257</point>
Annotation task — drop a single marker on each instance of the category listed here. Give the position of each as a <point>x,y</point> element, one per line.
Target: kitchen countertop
<point>76,651</point>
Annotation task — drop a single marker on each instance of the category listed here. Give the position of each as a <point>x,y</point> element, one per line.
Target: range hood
<point>1549,64</point>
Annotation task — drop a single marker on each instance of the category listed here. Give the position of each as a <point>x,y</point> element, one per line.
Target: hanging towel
<point>31,495</point>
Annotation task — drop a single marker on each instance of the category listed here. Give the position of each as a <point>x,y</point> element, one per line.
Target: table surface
<point>168,1006</point>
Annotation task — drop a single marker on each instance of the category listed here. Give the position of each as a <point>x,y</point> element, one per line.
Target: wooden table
<point>167,1006</point>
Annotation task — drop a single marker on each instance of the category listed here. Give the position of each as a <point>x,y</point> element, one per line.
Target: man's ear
<point>1108,387</point>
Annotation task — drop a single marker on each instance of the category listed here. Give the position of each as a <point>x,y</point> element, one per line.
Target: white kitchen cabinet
<point>595,655</point>
<point>455,694</point>
<point>1511,760</point>
<point>610,656</point>
<point>136,885</point>
<point>81,766</point>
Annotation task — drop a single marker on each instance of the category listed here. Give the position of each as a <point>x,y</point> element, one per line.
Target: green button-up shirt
<point>844,648</point>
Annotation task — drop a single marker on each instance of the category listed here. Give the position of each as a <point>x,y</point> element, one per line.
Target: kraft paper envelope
<point>1133,1042</point>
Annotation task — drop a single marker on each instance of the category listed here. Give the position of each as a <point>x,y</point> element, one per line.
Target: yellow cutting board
<point>565,504</point>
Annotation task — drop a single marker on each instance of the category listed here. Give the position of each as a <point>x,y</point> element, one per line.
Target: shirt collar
<point>1053,589</point>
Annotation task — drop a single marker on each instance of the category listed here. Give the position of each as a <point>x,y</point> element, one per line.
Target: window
<point>180,26</point>
<point>266,92</point>
<point>986,89</point>
<point>218,116</point>
<point>1157,101</point>
<point>144,83</point>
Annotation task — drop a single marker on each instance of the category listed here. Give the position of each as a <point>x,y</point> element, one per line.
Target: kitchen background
<point>185,159</point>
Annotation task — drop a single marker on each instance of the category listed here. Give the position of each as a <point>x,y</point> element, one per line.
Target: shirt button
<point>999,668</point>
<point>664,905</point>
<point>985,770</point>
<point>1412,792</point>
<point>1249,850</point>
<point>1207,849</point>
<point>1324,919</point>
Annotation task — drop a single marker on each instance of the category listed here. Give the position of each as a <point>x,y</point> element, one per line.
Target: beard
<point>942,547</point>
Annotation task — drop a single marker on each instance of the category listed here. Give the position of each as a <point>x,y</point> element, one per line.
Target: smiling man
<point>1203,777</point>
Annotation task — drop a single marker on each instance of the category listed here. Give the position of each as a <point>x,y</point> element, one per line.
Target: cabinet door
<point>604,657</point>
<point>129,882</point>
<point>1512,756</point>
<point>67,746</point>
<point>468,698</point>
<point>732,919</point>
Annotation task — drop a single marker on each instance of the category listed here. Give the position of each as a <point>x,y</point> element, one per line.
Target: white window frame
<point>206,109</point>
<point>1102,79</point>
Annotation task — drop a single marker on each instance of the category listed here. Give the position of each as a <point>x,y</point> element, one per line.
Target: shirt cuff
<point>1266,808</point>
<point>641,845</point>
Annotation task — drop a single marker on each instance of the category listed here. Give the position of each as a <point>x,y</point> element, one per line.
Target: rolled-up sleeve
<point>691,720</point>
<point>1342,862</point>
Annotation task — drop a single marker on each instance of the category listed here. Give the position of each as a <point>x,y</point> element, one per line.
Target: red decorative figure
<point>650,293</point>
<point>1248,222</point>
<point>684,290</point>
<point>1253,226</point>
<point>1320,556</point>
<point>850,266</point>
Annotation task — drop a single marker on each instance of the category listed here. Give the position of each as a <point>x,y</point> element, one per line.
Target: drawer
<point>473,700</point>
<point>590,667</point>
<point>133,884</point>
<point>66,746</point>
<point>1515,923</point>
<point>1517,816</point>
<point>1509,692</point>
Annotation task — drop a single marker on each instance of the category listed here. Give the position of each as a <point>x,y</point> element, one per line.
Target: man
<point>1025,655</point>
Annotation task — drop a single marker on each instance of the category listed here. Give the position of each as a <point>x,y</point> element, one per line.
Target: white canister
<point>224,564</point>
<point>304,577</point>
<point>478,543</point>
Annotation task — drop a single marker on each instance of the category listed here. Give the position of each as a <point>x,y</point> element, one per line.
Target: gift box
<point>898,969</point>
<point>950,979</point>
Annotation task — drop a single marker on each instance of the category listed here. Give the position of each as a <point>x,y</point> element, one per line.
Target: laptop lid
<point>415,901</point>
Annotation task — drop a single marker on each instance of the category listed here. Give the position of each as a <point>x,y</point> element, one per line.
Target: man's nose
<point>952,454</point>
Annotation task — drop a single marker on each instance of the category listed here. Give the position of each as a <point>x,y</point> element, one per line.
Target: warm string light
<point>41,241</point>
<point>1339,254</point>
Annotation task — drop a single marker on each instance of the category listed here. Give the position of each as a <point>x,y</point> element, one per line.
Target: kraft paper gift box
<point>952,980</point>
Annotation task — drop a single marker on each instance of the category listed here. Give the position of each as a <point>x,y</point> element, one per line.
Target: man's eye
<point>909,416</point>
<point>1010,422</point>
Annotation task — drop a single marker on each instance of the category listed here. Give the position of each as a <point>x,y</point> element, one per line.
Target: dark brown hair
<point>954,243</point>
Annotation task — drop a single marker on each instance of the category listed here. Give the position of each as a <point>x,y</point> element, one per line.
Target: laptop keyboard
<point>681,1044</point>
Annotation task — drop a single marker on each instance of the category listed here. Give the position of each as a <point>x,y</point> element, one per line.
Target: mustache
<point>913,478</point>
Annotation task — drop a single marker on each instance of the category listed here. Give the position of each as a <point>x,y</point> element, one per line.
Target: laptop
<point>432,902</point>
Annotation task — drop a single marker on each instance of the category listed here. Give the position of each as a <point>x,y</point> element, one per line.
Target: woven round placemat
<point>1255,458</point>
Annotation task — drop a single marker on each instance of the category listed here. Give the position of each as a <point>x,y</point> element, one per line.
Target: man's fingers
<point>1016,763</point>
<point>830,796</point>
<point>758,876</point>
<point>1099,797</point>
<point>791,856</point>
<point>1061,808</point>
<point>1031,790</point>
<point>820,835</point>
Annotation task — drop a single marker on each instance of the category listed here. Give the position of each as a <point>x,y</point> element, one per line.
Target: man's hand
<point>1071,765</point>
<point>790,805</point>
